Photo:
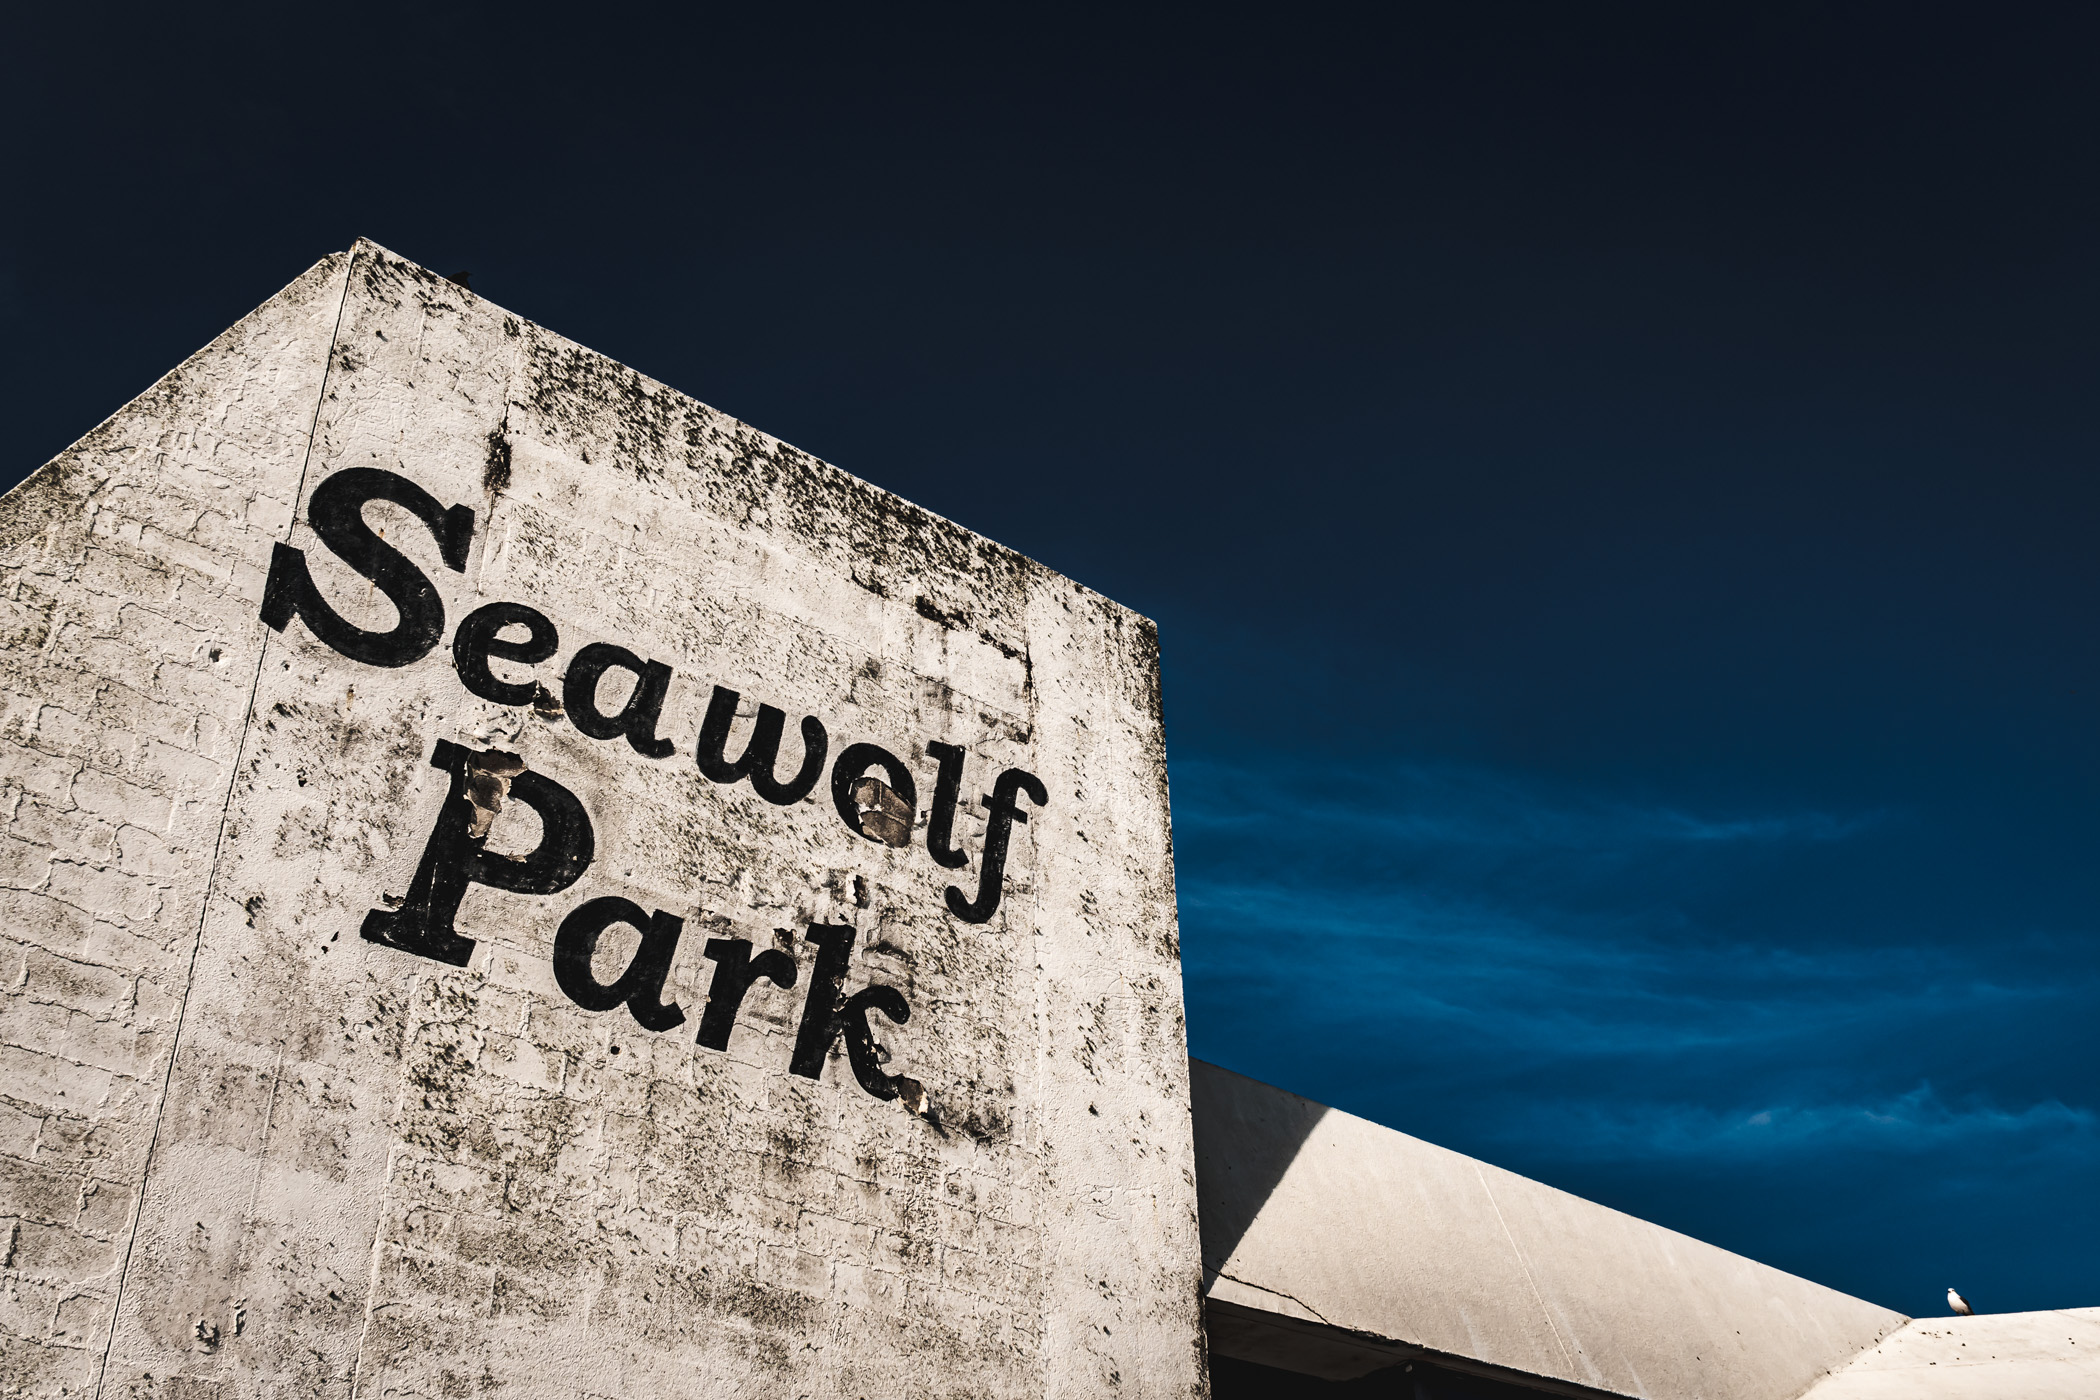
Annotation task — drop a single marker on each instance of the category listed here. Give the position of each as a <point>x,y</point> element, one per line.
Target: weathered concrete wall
<point>396,1153</point>
<point>1994,1356</point>
<point>131,569</point>
<point>1334,1246</point>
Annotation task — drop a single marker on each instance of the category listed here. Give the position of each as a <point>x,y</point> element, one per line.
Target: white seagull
<point>1959,1304</point>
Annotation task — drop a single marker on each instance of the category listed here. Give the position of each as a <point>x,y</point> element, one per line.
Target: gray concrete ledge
<point>1994,1356</point>
<point>1330,1242</point>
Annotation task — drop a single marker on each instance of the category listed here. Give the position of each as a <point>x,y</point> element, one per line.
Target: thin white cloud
<point>1520,959</point>
<point>1577,985</point>
<point>1915,1122</point>
<point>1420,804</point>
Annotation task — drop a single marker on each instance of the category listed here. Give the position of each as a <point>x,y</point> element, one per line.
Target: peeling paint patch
<point>486,784</point>
<point>883,814</point>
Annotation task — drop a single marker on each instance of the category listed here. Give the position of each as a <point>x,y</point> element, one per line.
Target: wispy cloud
<point>1564,982</point>
<point>1433,805</point>
<point>1917,1122</point>
<point>1366,876</point>
<point>1572,976</point>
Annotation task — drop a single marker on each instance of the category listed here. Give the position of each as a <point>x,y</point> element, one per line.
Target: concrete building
<point>519,884</point>
<point>1368,1262</point>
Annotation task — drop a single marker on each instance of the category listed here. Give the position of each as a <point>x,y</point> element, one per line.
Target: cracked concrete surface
<point>245,1151</point>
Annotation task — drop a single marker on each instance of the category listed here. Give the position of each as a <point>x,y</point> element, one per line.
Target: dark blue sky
<point>1617,485</point>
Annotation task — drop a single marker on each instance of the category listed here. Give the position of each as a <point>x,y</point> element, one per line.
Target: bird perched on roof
<point>1959,1304</point>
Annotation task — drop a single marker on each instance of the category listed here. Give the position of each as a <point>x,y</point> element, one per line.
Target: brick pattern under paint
<point>375,1174</point>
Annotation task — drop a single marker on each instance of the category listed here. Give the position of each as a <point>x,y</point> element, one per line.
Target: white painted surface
<point>1315,1217</point>
<point>1991,1356</point>
<point>372,1173</point>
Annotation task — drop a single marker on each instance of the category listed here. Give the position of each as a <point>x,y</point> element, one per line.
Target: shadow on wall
<point>1265,1345</point>
<point>1244,1145</point>
<point>1243,1380</point>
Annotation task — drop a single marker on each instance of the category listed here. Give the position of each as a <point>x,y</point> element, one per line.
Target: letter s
<point>336,512</point>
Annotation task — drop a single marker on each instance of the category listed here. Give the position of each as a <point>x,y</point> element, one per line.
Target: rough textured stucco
<point>1336,1246</point>
<point>375,1173</point>
<point>1994,1356</point>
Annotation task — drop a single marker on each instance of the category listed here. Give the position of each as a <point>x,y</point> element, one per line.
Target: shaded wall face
<point>1231,1379</point>
<point>638,909</point>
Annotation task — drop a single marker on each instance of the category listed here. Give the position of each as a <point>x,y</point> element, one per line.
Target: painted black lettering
<point>476,641</point>
<point>641,986</point>
<point>735,971</point>
<point>455,858</point>
<point>825,1019</point>
<point>761,753</point>
<point>336,512</point>
<point>947,790</point>
<point>877,811</point>
<point>645,705</point>
<point>1004,810</point>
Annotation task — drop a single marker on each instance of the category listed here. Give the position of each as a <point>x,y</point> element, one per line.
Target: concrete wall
<point>1334,1246</point>
<point>1993,1356</point>
<point>275,1117</point>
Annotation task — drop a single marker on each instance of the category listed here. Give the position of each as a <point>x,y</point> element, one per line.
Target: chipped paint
<point>255,1137</point>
